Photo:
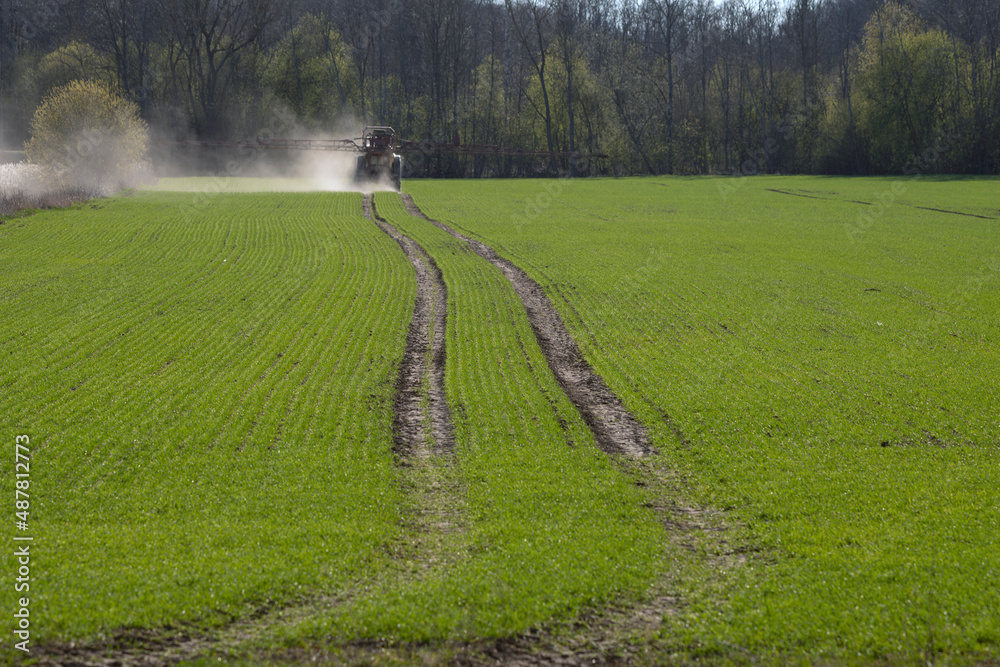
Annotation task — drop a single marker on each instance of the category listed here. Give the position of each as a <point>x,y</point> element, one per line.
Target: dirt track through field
<point>421,418</point>
<point>615,429</point>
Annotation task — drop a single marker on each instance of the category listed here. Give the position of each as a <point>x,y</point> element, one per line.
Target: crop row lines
<point>264,322</point>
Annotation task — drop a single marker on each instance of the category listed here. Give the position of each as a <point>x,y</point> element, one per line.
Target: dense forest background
<point>661,86</point>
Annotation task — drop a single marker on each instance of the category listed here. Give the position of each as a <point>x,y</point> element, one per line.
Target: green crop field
<point>207,375</point>
<point>821,369</point>
<point>208,401</point>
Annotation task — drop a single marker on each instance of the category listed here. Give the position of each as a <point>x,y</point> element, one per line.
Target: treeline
<point>661,86</point>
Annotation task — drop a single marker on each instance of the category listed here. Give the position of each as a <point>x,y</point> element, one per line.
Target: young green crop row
<point>207,381</point>
<point>552,524</point>
<point>208,401</point>
<point>822,367</point>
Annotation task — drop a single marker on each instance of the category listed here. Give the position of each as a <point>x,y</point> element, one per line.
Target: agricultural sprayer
<point>380,151</point>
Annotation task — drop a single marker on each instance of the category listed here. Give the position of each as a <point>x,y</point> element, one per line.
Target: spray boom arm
<point>383,140</point>
<point>380,152</point>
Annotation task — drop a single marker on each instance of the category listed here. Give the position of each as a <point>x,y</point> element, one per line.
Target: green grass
<point>208,400</point>
<point>207,381</point>
<point>774,344</point>
<point>553,524</point>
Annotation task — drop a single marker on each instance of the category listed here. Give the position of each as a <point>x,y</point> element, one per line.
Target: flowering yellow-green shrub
<point>87,135</point>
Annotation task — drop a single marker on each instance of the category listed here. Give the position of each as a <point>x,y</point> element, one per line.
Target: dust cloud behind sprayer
<point>374,160</point>
<point>369,162</point>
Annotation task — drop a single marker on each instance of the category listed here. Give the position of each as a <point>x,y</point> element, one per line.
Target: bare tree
<point>974,29</point>
<point>211,35</point>
<point>622,77</point>
<point>127,30</point>
<point>530,25</point>
<point>667,17</point>
<point>566,20</point>
<point>704,19</point>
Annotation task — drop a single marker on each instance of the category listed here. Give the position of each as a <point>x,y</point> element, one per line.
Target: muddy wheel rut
<point>421,418</point>
<point>615,429</point>
<point>423,433</point>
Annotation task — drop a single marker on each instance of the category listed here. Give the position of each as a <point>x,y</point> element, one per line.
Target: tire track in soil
<point>421,412</point>
<point>615,429</point>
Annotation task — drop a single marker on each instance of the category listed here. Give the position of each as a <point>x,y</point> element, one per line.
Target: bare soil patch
<point>616,430</point>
